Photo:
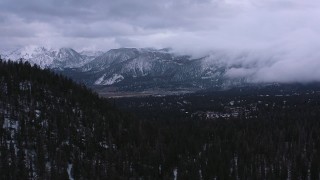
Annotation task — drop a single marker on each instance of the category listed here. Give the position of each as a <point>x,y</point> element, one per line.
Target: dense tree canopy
<point>52,128</point>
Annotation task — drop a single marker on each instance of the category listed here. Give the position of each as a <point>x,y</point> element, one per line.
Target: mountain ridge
<point>133,69</point>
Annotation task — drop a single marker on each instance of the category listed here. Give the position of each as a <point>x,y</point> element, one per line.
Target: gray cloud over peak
<point>286,31</point>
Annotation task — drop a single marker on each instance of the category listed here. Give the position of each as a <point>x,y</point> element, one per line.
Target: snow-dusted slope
<point>136,67</point>
<point>67,58</point>
<point>113,56</point>
<point>50,58</point>
<point>103,80</point>
<point>133,63</point>
<point>130,67</point>
<point>34,54</point>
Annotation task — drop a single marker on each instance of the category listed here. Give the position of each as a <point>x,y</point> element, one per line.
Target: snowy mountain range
<point>51,58</point>
<point>132,68</point>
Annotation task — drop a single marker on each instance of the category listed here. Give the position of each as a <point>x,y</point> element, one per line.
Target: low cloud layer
<point>281,37</point>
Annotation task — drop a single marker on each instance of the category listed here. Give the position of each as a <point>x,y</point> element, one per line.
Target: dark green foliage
<point>52,128</point>
<point>275,135</point>
<point>48,122</point>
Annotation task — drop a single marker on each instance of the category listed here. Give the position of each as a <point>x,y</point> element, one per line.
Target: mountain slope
<point>51,58</point>
<point>52,128</point>
<point>133,69</point>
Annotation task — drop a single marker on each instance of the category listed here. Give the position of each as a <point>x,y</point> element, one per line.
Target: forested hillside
<point>52,128</point>
<point>260,132</point>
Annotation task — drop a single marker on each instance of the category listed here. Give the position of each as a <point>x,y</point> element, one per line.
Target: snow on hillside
<point>109,81</point>
<point>49,57</point>
<point>139,64</point>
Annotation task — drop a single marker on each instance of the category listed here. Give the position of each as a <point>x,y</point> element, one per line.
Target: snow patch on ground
<point>69,171</point>
<point>100,80</point>
<point>138,66</point>
<point>114,79</point>
<point>104,145</point>
<point>175,173</point>
<point>8,124</point>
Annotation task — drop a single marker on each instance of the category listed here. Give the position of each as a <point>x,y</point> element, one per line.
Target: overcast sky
<point>288,28</point>
<point>183,24</point>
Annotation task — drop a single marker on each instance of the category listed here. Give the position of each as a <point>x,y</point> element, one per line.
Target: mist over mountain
<point>53,128</point>
<point>140,69</point>
<point>170,89</point>
<point>280,39</point>
<point>137,68</point>
<point>148,68</point>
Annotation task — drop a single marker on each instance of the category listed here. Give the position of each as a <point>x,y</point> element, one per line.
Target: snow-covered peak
<point>113,56</point>
<point>48,57</point>
<point>27,52</point>
<point>67,54</point>
<point>34,54</point>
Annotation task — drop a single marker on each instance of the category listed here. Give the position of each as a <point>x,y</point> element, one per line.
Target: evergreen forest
<point>53,128</point>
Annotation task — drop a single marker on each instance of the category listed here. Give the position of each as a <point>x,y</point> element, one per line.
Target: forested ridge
<point>52,128</point>
<point>49,124</point>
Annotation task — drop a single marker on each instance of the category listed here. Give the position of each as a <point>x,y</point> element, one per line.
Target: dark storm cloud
<point>286,31</point>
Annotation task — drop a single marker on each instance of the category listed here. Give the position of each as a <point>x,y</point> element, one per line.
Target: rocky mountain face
<point>49,58</point>
<point>132,69</point>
